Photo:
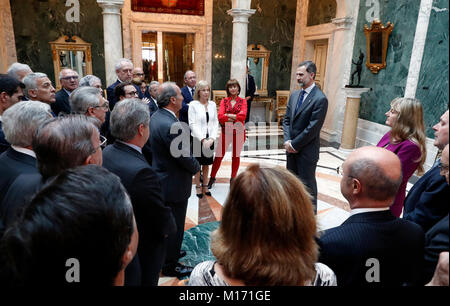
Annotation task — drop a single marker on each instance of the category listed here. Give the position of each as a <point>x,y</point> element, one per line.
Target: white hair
<point>88,80</point>
<point>30,81</point>
<point>61,72</point>
<point>16,67</point>
<point>84,97</point>
<point>118,65</point>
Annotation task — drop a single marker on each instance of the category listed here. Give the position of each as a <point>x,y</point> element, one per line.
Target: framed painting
<point>184,7</point>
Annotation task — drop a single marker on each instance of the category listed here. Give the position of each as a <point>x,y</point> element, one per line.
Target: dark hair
<point>231,83</point>
<point>119,91</point>
<point>62,143</point>
<point>9,84</point>
<point>377,184</point>
<point>310,67</point>
<point>84,214</point>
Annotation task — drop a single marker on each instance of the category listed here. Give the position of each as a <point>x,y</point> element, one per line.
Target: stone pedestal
<point>112,36</point>
<point>351,117</point>
<point>240,12</point>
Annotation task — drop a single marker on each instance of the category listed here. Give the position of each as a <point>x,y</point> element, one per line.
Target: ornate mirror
<point>71,52</point>
<point>258,66</point>
<point>377,37</point>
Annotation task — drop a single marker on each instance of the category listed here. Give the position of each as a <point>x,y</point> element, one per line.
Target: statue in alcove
<point>358,69</point>
<point>62,59</point>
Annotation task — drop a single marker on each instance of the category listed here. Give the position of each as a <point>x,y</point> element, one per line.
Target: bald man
<point>372,248</point>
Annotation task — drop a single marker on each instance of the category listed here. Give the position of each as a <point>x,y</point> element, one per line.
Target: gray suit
<point>303,129</point>
<point>175,174</point>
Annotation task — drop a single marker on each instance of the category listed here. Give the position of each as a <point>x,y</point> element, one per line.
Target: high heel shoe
<point>212,180</point>
<point>199,195</point>
<point>207,192</point>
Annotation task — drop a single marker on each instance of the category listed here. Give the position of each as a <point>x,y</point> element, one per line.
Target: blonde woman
<point>407,140</point>
<point>204,124</point>
<point>266,236</point>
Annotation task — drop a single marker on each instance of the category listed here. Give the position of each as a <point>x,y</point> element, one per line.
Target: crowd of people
<point>98,186</point>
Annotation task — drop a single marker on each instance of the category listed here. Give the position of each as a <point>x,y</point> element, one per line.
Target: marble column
<point>418,47</point>
<point>112,36</point>
<point>351,117</point>
<point>240,12</point>
<point>8,45</point>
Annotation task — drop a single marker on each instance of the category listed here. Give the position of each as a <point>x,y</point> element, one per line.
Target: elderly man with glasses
<point>89,101</point>
<point>69,82</point>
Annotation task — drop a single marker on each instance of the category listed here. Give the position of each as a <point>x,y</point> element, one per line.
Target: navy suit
<point>303,127</point>
<point>427,201</point>
<point>61,104</point>
<point>153,218</point>
<point>250,92</point>
<point>152,105</point>
<point>187,95</point>
<point>13,164</point>
<point>4,145</point>
<point>175,173</point>
<point>436,241</point>
<point>397,244</point>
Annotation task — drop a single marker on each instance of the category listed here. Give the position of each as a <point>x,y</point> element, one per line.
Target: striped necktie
<point>300,100</point>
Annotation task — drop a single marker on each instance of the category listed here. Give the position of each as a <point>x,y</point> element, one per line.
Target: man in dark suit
<point>372,247</point>
<point>20,124</point>
<point>124,71</point>
<point>153,96</point>
<point>436,239</point>
<point>249,93</point>
<point>69,82</point>
<point>130,126</point>
<point>427,201</point>
<point>188,94</point>
<point>175,166</point>
<point>305,114</point>
<point>11,92</point>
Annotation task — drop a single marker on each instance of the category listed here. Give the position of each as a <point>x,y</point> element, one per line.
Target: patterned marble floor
<point>332,209</point>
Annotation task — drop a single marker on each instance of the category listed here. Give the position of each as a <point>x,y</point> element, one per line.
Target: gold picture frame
<point>377,37</point>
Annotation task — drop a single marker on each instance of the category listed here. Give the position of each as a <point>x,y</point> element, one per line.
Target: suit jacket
<point>397,244</point>
<point>436,241</point>
<point>303,127</point>
<point>62,103</point>
<point>187,95</point>
<point>175,171</point>
<point>250,88</point>
<point>152,105</point>
<point>427,201</point>
<point>197,120</point>
<point>13,164</point>
<point>4,145</point>
<point>153,218</point>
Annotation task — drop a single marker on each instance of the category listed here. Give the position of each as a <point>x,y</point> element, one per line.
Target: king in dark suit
<point>305,115</point>
<point>373,247</point>
<point>154,219</point>
<point>175,167</point>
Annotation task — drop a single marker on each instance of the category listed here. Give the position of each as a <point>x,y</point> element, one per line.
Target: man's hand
<point>289,148</point>
<point>440,277</point>
<point>145,100</point>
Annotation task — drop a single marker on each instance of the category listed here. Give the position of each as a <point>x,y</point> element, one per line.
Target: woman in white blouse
<point>204,124</point>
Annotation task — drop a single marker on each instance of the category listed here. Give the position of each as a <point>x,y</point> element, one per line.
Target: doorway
<point>167,56</point>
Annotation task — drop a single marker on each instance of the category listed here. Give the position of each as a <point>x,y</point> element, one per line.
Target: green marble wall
<point>390,82</point>
<point>272,25</point>
<point>36,23</point>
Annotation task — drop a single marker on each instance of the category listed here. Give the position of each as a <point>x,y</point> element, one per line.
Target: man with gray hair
<point>124,71</point>
<point>60,143</point>
<point>175,165</point>
<point>90,80</point>
<point>130,126</point>
<point>20,123</point>
<point>69,82</point>
<point>89,101</point>
<point>38,87</point>
<point>372,248</point>
<point>19,71</point>
<point>153,91</point>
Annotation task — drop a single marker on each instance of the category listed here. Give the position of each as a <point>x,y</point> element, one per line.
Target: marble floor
<point>203,215</point>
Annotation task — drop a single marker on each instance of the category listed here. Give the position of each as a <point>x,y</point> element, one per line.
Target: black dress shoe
<point>179,271</point>
<point>182,254</point>
<point>211,182</point>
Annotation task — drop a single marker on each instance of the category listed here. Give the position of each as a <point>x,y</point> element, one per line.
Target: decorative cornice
<point>240,15</point>
<point>111,7</point>
<point>342,23</point>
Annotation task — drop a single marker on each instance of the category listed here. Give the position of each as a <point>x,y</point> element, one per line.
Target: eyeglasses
<point>139,74</point>
<point>102,143</point>
<point>105,105</point>
<point>340,170</point>
<point>73,77</point>
<point>131,93</point>
<point>443,167</point>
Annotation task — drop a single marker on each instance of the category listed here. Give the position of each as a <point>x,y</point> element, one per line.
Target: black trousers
<point>305,170</point>
<point>175,240</point>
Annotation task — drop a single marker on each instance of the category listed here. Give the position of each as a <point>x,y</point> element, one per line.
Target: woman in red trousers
<point>232,113</point>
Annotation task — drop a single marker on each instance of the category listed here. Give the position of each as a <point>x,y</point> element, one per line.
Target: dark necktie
<point>192,91</point>
<point>300,100</point>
